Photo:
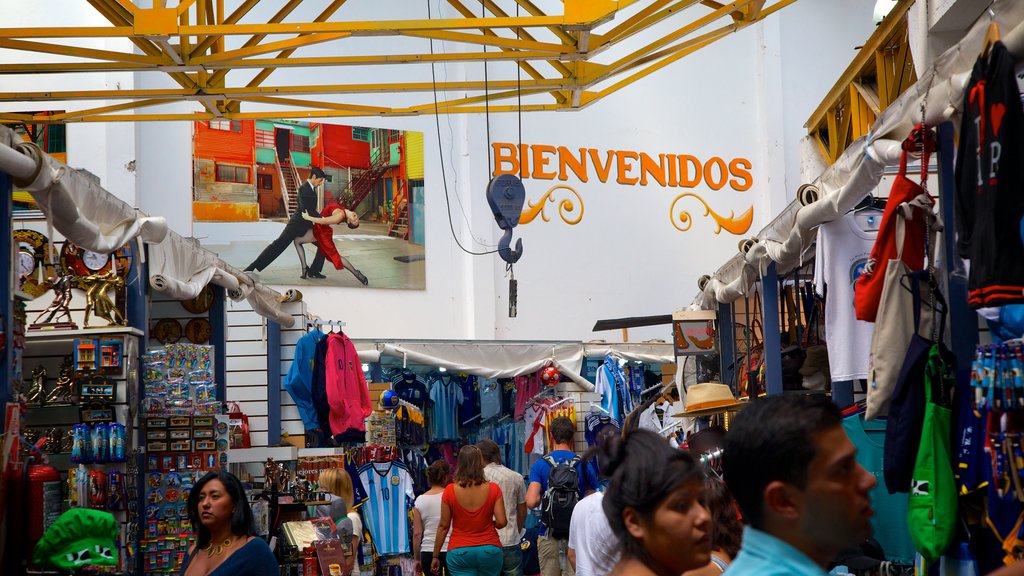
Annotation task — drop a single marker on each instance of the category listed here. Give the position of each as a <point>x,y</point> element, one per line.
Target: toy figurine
<point>60,307</point>
<point>35,395</point>
<point>96,299</point>
<point>63,392</point>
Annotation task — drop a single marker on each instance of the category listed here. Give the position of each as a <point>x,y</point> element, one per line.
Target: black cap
<point>317,173</point>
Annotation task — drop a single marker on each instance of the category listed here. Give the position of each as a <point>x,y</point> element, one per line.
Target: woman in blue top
<point>225,534</point>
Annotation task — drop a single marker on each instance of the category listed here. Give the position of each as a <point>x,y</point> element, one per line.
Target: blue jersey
<point>446,395</point>
<point>386,511</point>
<point>490,398</point>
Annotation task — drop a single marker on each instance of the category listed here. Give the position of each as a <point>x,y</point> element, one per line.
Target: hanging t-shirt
<point>386,511</point>
<point>842,252</point>
<point>446,394</point>
<point>508,395</point>
<point>890,520</point>
<point>606,385</point>
<point>411,389</point>
<point>527,387</point>
<point>989,203</point>
<point>469,408</point>
<point>490,398</point>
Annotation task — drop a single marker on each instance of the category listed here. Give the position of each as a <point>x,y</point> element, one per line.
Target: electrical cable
<point>444,179</point>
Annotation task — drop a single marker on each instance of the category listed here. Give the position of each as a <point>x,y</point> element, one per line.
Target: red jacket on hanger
<point>347,393</point>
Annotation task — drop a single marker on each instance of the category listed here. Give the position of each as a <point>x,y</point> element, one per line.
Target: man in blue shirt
<point>550,549</point>
<point>794,474</point>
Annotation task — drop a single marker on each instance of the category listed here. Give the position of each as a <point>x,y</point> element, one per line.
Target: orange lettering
<point>685,160</point>
<point>577,165</point>
<point>504,153</point>
<point>624,167</point>
<point>602,171</point>
<point>540,162</point>
<point>673,178</point>
<point>740,169</point>
<point>647,166</point>
<point>524,165</point>
<point>722,173</point>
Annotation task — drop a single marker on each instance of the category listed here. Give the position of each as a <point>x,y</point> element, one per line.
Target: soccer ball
<point>388,399</point>
<point>550,376</point>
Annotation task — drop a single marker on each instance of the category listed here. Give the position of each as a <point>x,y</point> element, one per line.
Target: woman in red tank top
<point>475,509</point>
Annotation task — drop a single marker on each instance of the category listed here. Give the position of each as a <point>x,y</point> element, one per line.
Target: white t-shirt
<point>429,506</point>
<point>842,252</point>
<point>591,538</point>
<point>649,419</point>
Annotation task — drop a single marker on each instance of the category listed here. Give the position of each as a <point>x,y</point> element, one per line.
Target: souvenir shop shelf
<point>59,335</point>
<point>252,455</point>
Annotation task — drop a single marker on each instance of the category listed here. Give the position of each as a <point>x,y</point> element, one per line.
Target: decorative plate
<point>167,331</point>
<point>198,330</point>
<point>201,303</point>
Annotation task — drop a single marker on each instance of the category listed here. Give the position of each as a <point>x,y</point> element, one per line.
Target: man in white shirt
<point>513,488</point>
<point>593,548</point>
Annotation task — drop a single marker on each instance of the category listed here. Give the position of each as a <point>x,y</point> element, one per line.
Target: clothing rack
<point>317,322</point>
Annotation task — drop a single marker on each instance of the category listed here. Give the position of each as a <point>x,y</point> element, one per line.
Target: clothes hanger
<point>992,35</point>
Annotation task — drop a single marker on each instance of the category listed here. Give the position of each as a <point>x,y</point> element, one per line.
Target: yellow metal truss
<point>197,43</point>
<point>882,70</point>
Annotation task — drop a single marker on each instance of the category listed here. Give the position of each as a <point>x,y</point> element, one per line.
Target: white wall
<point>746,96</point>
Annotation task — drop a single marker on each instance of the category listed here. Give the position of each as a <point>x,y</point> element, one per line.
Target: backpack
<point>561,496</point>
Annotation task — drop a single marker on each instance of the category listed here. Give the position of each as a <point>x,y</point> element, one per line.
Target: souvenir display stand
<point>968,461</point>
<point>113,422</point>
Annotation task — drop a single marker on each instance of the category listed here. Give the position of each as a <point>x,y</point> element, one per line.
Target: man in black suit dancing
<point>297,226</point>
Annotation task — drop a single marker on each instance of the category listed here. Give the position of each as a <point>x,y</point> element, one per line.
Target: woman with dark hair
<point>653,504</point>
<point>726,527</point>
<point>426,515</point>
<point>225,535</point>
<point>475,508</point>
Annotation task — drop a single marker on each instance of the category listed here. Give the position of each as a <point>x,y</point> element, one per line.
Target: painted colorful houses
<point>250,170</point>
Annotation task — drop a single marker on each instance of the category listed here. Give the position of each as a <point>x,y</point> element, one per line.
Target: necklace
<point>215,549</point>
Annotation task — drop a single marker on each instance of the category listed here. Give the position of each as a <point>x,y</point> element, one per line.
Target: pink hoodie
<point>347,394</point>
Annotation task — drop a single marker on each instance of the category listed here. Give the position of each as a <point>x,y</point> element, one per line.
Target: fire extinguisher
<point>39,492</point>
<point>43,505</point>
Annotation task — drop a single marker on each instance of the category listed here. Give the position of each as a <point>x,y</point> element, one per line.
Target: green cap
<point>80,537</point>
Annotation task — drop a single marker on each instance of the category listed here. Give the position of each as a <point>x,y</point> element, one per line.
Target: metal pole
<point>726,344</point>
<point>219,339</point>
<point>273,383</point>
<point>7,312</point>
<point>772,331</point>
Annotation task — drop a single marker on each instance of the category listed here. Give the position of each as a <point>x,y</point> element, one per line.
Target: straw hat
<point>708,398</point>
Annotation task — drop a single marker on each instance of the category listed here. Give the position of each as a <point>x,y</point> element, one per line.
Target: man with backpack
<point>557,482</point>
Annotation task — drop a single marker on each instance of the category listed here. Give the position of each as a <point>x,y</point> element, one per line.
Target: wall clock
<point>81,262</point>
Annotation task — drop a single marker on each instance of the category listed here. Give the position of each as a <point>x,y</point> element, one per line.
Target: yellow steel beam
<point>683,31</point>
<point>362,109</point>
<point>883,31</point>
<point>524,66</point>
<point>30,46</point>
<point>113,108</point>
<point>637,24</point>
<point>201,28</point>
<point>297,42</point>
<point>230,20</point>
<point>279,16</point>
<point>552,84</point>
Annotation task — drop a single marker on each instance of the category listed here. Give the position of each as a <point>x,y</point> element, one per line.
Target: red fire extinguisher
<point>44,499</point>
<point>38,491</point>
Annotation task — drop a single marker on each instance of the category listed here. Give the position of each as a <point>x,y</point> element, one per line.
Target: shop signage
<point>626,168</point>
<point>693,332</point>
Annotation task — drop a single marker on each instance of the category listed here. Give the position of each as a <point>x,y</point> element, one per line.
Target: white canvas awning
<point>858,171</point>
<point>86,214</point>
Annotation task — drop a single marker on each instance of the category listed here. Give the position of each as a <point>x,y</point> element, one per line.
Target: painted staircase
<point>289,183</point>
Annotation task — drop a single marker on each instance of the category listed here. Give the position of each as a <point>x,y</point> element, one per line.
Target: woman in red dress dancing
<point>323,236</point>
